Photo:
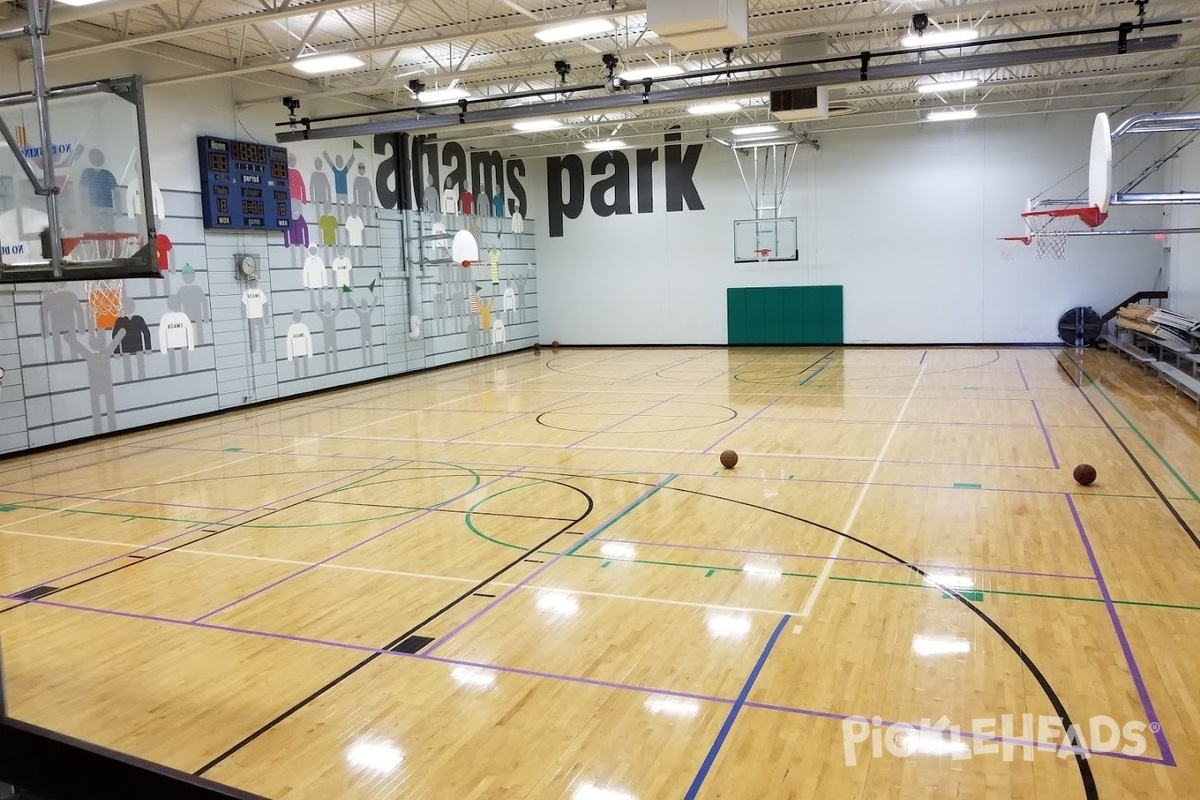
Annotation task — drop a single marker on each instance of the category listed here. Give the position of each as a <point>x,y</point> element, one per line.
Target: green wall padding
<point>785,315</point>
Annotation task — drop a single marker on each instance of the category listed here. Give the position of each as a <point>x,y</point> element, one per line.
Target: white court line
<point>423,575</point>
<point>279,450</point>
<point>823,577</point>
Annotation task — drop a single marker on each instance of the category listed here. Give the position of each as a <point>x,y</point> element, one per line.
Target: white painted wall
<point>1185,248</point>
<point>906,218</point>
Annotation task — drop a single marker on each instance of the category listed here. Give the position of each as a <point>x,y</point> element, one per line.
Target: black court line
<point>442,510</point>
<point>410,632</point>
<point>1132,457</point>
<point>481,594</point>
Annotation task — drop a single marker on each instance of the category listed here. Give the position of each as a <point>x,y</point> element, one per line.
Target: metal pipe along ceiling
<point>635,99</point>
<point>1157,123</point>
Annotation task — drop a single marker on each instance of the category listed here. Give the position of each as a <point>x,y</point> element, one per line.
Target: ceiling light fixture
<point>942,36</point>
<point>721,107</point>
<point>322,64</point>
<point>447,95</point>
<point>575,30</point>
<point>652,72</point>
<point>951,114</point>
<point>753,130</point>
<point>531,125</point>
<point>947,86</point>
<point>605,144</point>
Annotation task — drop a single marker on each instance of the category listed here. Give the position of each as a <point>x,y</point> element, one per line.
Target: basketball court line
<point>525,581</point>
<point>1045,433</point>
<point>350,549</point>
<point>629,417</point>
<point>1130,662</point>
<point>1021,372</point>
<point>740,425</point>
<point>378,652</point>
<point>730,476</point>
<point>823,578</point>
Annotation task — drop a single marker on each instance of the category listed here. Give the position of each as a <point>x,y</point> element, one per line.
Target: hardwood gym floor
<point>530,578</point>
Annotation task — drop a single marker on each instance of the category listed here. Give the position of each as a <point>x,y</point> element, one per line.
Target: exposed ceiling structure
<point>489,49</point>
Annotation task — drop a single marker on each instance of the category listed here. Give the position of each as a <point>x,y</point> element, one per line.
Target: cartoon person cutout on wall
<point>466,202</point>
<point>100,187</point>
<point>296,238</point>
<point>296,187</point>
<point>254,300</point>
<point>98,357</point>
<point>354,231</point>
<point>498,206</point>
<point>194,302</point>
<point>314,270</point>
<point>175,332</point>
<point>62,316</point>
<point>364,193</point>
<point>341,184</point>
<point>136,342</point>
<point>328,313</point>
<point>518,222</point>
<point>449,199</point>
<point>162,251</point>
<point>494,262</point>
<point>342,267</point>
<point>299,343</point>
<point>321,190</point>
<point>365,310</point>
<point>328,225</point>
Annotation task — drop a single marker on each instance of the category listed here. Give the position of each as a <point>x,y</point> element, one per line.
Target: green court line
<point>234,449</point>
<point>9,508</point>
<point>711,569</point>
<point>974,595</point>
<point>1162,459</point>
<point>605,564</point>
<point>968,486</point>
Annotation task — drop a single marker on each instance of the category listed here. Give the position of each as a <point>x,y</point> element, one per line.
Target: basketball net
<point>1050,236</point>
<point>52,287</point>
<point>104,299</point>
<point>1008,249</point>
<point>764,255</point>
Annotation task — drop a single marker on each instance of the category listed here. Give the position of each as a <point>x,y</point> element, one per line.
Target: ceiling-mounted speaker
<point>807,104</point>
<point>700,24</point>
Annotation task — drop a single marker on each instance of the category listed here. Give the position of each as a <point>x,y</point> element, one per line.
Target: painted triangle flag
<point>346,290</point>
<point>357,146</point>
<point>372,286</point>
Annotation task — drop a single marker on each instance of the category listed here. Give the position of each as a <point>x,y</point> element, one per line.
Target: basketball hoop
<point>1050,236</point>
<point>764,255</point>
<point>104,298</point>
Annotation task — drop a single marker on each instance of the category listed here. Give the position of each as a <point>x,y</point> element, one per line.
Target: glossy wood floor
<point>530,578</point>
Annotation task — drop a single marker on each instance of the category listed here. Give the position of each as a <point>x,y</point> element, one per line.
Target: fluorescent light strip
<point>657,71</point>
<point>951,114</point>
<point>334,62</point>
<point>575,30</point>
<point>947,86</point>
<point>442,95</point>
<point>605,144</point>
<point>754,130</point>
<point>937,38</point>
<point>537,125</point>
<point>724,107</point>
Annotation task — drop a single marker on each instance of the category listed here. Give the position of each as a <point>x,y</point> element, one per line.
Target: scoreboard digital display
<point>235,177</point>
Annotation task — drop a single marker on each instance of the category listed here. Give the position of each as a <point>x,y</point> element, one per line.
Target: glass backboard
<point>763,240</point>
<point>104,198</point>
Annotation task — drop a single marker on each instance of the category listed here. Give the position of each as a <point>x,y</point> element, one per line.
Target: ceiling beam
<point>754,86</point>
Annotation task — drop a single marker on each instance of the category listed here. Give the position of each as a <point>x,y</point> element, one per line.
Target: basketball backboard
<point>104,197</point>
<point>762,240</point>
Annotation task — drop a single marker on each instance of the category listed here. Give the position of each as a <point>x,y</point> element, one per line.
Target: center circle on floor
<point>650,416</point>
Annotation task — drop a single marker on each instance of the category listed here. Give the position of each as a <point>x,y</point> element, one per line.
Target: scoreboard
<point>244,185</point>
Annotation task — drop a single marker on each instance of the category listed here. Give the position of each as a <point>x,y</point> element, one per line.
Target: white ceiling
<point>488,45</point>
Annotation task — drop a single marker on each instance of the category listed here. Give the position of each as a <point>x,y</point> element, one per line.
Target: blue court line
<point>711,758</point>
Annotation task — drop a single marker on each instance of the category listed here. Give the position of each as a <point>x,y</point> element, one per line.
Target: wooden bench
<point>1130,349</point>
<point>1181,380</point>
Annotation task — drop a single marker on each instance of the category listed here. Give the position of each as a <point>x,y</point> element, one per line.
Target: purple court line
<point>621,421</point>
<point>629,687</point>
<point>351,548</point>
<point>537,410</point>
<point>580,472</point>
<point>224,521</point>
<point>558,557</point>
<point>925,353</point>
<point>1147,707</point>
<point>743,424</point>
<point>1045,433</point>
<point>1021,372</point>
<point>843,558</point>
<point>124,500</point>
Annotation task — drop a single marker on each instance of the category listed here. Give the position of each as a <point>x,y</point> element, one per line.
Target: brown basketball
<point>728,459</point>
<point>1085,474</point>
<point>554,344</point>
<point>537,349</point>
